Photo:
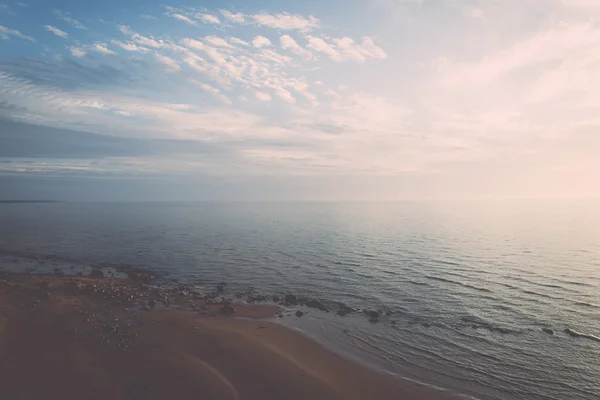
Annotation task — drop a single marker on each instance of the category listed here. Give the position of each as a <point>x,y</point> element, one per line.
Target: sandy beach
<point>97,338</point>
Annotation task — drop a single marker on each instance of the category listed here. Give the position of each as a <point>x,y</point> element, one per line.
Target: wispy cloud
<point>182,18</point>
<point>207,18</point>
<point>148,17</point>
<point>6,32</point>
<point>262,96</point>
<point>290,44</point>
<point>129,46</point>
<point>77,52</point>
<point>168,62</point>
<point>261,41</point>
<point>70,20</point>
<point>286,21</point>
<point>56,31</point>
<point>102,49</point>
<point>238,18</point>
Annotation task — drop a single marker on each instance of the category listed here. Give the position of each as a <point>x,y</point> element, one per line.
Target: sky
<point>299,100</point>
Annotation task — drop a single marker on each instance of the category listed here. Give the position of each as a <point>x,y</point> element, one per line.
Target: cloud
<point>6,32</point>
<point>182,18</point>
<point>286,21</point>
<point>217,41</point>
<point>129,46</point>
<point>56,31</point>
<point>262,96</point>
<point>171,64</point>
<point>261,41</point>
<point>238,18</point>
<point>239,41</point>
<point>69,20</point>
<point>290,44</point>
<point>125,30</point>
<point>212,90</point>
<point>77,52</point>
<point>148,17</point>
<point>207,18</point>
<point>147,41</point>
<point>345,49</point>
<point>102,49</point>
<point>318,44</point>
<point>550,45</point>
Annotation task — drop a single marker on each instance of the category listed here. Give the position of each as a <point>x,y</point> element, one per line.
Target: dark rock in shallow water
<point>220,288</point>
<point>299,313</point>
<point>315,304</point>
<point>372,314</point>
<point>548,331</point>
<point>291,299</point>
<point>227,310</point>
<point>344,309</point>
<point>96,273</point>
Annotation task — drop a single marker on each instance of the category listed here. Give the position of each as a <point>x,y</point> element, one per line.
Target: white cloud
<point>182,18</point>
<point>147,41</point>
<point>217,41</point>
<point>207,18</point>
<point>290,44</point>
<point>129,46</point>
<point>4,31</point>
<point>318,44</point>
<point>213,90</point>
<point>345,49</point>
<point>168,62</point>
<point>238,18</point>
<point>260,41</point>
<point>286,21</point>
<point>239,41</point>
<point>56,31</point>
<point>77,52</point>
<point>69,20</point>
<point>125,30</point>
<point>262,96</point>
<point>148,17</point>
<point>551,45</point>
<point>102,49</point>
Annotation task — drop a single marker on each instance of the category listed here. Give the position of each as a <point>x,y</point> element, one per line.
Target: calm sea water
<point>471,285</point>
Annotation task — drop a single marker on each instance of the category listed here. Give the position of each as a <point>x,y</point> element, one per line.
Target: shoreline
<point>53,328</point>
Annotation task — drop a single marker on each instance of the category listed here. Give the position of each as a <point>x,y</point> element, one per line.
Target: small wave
<point>417,283</point>
<point>576,334</point>
<point>437,278</point>
<point>367,255</point>
<point>351,264</point>
<point>538,294</point>
<point>584,304</point>
<point>365,276</point>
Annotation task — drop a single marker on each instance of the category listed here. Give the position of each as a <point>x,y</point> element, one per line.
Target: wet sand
<point>93,338</point>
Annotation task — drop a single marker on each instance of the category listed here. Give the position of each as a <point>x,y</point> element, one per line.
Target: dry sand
<point>81,338</point>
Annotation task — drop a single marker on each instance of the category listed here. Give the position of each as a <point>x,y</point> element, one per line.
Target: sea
<point>494,299</point>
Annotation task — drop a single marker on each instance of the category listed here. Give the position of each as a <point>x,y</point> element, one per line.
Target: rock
<point>291,299</point>
<point>299,313</point>
<point>96,273</point>
<point>151,303</point>
<point>344,309</point>
<point>548,331</point>
<point>227,310</point>
<point>372,314</point>
<point>276,298</point>
<point>220,288</point>
<point>374,320</point>
<point>315,304</point>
